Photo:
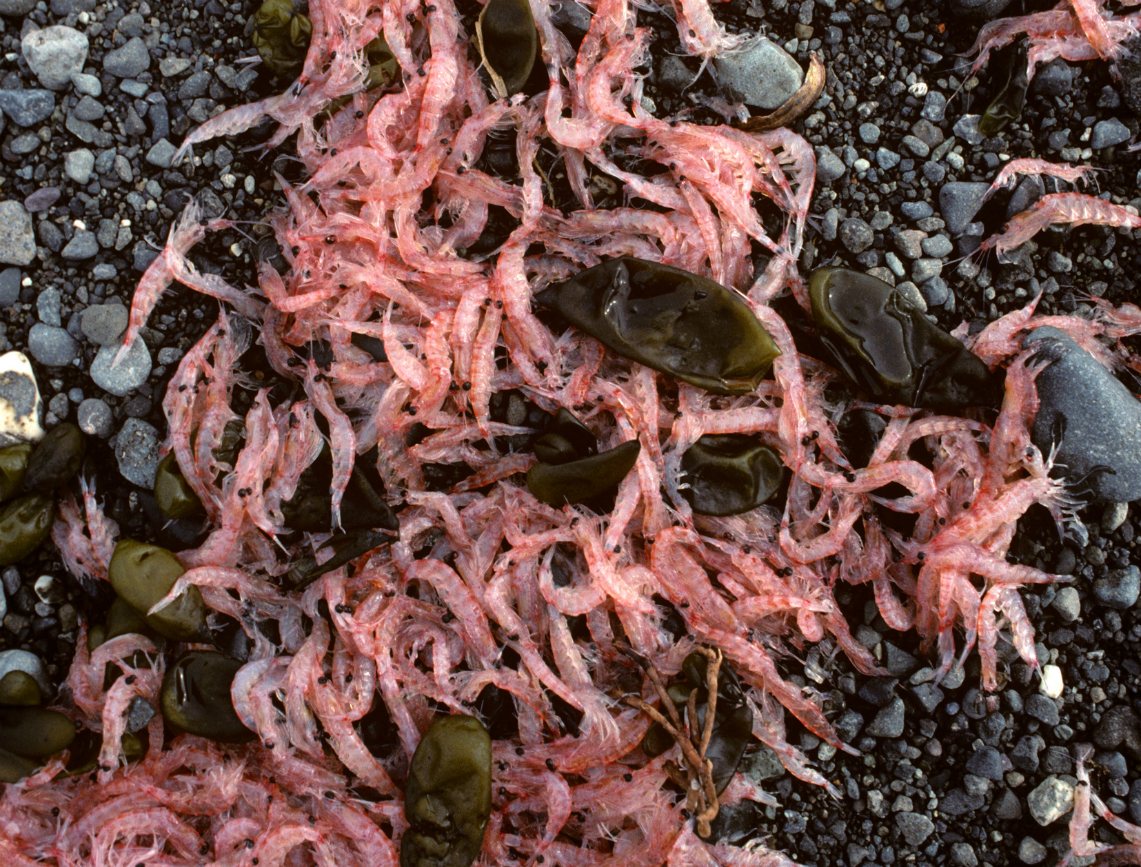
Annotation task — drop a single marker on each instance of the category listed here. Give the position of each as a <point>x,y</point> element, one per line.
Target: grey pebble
<point>17,240</point>
<point>136,450</point>
<point>1134,801</point>
<point>1053,79</point>
<point>1114,516</point>
<point>887,159</point>
<point>1030,851</point>
<point>103,271</point>
<point>959,201</point>
<point>51,346</point>
<point>977,10</point>
<point>964,855</point>
<point>1100,418</point>
<point>1051,800</point>
<point>83,245</point>
<point>1119,589</point>
<point>917,146</point>
<point>88,108</point>
<point>78,165</point>
<point>139,713</point>
<point>104,323</point>
<point>938,246</point>
<point>923,270</point>
<point>1007,806</point>
<point>829,167</point>
<point>130,373</point>
<point>50,236</point>
<point>86,85</point>
<point>1024,756</point>
<point>41,199</point>
<point>888,721</point>
<point>128,61</point>
<point>54,54</point>
<point>22,145</point>
<point>171,66</point>
<point>1043,709</point>
<point>94,418</point>
<point>59,405</point>
<point>16,8</point>
<point>915,827</point>
<point>869,133</point>
<point>986,762</point>
<point>935,292</point>
<point>934,105</point>
<point>10,286</point>
<point>27,106</point>
<point>957,802</point>
<point>194,86</point>
<point>133,88</point>
<point>47,306</point>
<point>1107,133</point>
<point>856,235</point>
<point>967,128</point>
<point>761,73</point>
<point>161,154</point>
<point>1068,603</point>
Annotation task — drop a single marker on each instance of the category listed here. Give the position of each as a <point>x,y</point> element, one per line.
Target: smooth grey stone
<point>935,292</point>
<point>923,270</point>
<point>133,88</point>
<point>986,762</point>
<point>1134,801</point>
<point>869,133</point>
<point>760,73</point>
<point>1030,851</point>
<point>888,721</point>
<point>22,145</point>
<point>957,802</point>
<point>88,109</point>
<point>1119,589</point>
<point>27,106</point>
<point>47,306</point>
<point>86,85</point>
<point>1029,190</point>
<point>137,451</point>
<point>934,106</point>
<point>54,54</point>
<point>1107,133</point>
<point>10,286</point>
<point>104,324</point>
<point>104,271</point>
<point>938,246</point>
<point>1043,709</point>
<point>128,61</point>
<point>161,154</point>
<point>130,373</point>
<point>1051,800</point>
<point>94,418</point>
<point>131,24</point>
<point>194,86</point>
<point>78,165</point>
<point>915,827</point>
<point>1007,806</point>
<point>977,10</point>
<point>51,345</point>
<point>17,239</point>
<point>856,235</point>
<point>83,245</point>
<point>963,854</point>
<point>1096,417</point>
<point>887,159</point>
<point>959,201</point>
<point>16,8</point>
<point>829,167</point>
<point>967,128</point>
<point>1068,603</point>
<point>1053,79</point>
<point>916,210</point>
<point>1114,516</point>
<point>41,199</point>
<point>139,713</point>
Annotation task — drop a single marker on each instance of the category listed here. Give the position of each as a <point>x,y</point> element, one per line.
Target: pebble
<point>829,167</point>
<point>959,201</point>
<point>977,10</point>
<point>29,663</point>
<point>869,133</point>
<point>1051,800</point>
<point>27,106</point>
<point>1030,851</point>
<point>47,306</point>
<point>967,128</point>
<point>78,165</point>
<point>915,827</point>
<point>923,270</point>
<point>87,85</point>
<point>1043,709</point>
<point>17,240</point>
<point>856,235</point>
<point>83,245</point>
<point>10,286</point>
<point>1114,516</point>
<point>1068,603</point>
<point>1119,589</point>
<point>938,246</point>
<point>1134,801</point>
<point>94,418</point>
<point>130,373</point>
<point>1053,79</point>
<point>888,721</point>
<point>137,451</point>
<point>1107,133</point>
<point>51,345</point>
<point>128,61</point>
<point>54,54</point>
<point>20,403</point>
<point>104,324</point>
<point>964,855</point>
<point>88,108</point>
<point>16,8</point>
<point>760,73</point>
<point>1099,418</point>
<point>986,762</point>
<point>161,154</point>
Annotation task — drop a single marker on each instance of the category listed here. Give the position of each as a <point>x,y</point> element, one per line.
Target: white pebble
<point>1052,684</point>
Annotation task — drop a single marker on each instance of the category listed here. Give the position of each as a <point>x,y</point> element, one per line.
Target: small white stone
<point>49,589</point>
<point>918,90</point>
<point>1052,684</point>
<point>20,403</point>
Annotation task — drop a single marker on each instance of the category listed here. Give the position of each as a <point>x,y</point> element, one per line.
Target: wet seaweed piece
<point>14,768</point>
<point>55,459</point>
<point>33,732</point>
<point>173,493</point>
<point>13,465</point>
<point>577,481</point>
<point>508,43</point>
<point>25,523</point>
<point>142,575</point>
<point>727,474</point>
<point>363,507</point>
<point>671,320</point>
<point>887,347</point>
<point>1007,103</point>
<point>566,439</point>
<point>195,697</point>
<point>448,798</point>
<point>348,547</point>
<point>281,36</point>
<point>19,689</point>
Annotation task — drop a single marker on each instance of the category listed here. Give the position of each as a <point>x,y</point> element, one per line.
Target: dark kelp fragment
<point>19,689</point>
<point>578,481</point>
<point>173,493</point>
<point>55,459</point>
<point>886,346</point>
<point>728,474</point>
<point>13,465</point>
<point>448,799</point>
<point>195,697</point>
<point>281,36</point>
<point>142,575</point>
<point>14,768</point>
<point>671,320</point>
<point>1007,103</point>
<point>33,732</point>
<point>508,43</point>
<point>566,439</point>
<point>24,524</point>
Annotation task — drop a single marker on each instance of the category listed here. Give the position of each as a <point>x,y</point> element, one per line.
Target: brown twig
<point>795,105</point>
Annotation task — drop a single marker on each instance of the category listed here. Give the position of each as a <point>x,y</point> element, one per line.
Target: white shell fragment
<point>20,404</point>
